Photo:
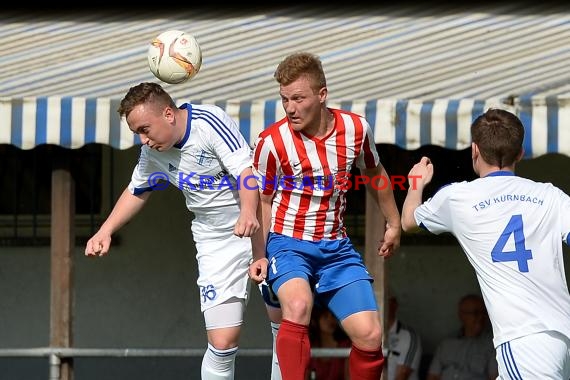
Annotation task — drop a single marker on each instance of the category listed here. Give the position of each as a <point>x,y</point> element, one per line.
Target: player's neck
<point>180,123</point>
<point>325,126</point>
<point>488,169</point>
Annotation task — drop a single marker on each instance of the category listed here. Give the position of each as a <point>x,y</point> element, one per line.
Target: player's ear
<point>474,151</point>
<point>168,113</point>
<point>521,155</point>
<point>323,94</point>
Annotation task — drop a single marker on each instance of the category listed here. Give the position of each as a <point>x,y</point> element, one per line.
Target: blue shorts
<point>333,268</point>
<point>268,296</point>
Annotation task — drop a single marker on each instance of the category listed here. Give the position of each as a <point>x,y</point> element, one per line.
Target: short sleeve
<point>142,172</point>
<point>265,168</point>
<point>434,214</point>
<point>368,157</point>
<point>222,134</point>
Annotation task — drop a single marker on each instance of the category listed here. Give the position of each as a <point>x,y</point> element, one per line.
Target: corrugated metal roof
<point>408,52</point>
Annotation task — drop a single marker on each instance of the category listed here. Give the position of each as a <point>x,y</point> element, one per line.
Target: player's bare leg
<point>218,362</point>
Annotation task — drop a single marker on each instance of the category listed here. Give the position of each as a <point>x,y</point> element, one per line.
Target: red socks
<point>293,350</point>
<point>294,353</point>
<point>365,365</point>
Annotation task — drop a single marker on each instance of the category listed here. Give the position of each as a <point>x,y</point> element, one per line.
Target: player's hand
<point>391,241</point>
<point>421,173</point>
<point>98,245</point>
<point>246,225</point>
<point>258,270</point>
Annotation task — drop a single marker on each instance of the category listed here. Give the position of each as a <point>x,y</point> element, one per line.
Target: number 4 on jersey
<point>521,255</point>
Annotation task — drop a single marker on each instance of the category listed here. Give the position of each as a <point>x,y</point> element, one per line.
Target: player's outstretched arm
<point>383,195</point>
<point>258,267</point>
<point>418,177</point>
<point>125,208</point>
<point>247,223</point>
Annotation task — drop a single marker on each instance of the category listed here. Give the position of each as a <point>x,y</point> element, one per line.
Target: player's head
<point>303,89</point>
<point>150,113</point>
<point>498,136</point>
<point>299,65</point>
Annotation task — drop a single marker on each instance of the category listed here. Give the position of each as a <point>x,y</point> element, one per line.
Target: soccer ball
<point>174,56</point>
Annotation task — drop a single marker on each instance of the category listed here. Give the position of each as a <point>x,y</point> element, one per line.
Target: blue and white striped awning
<point>423,72</point>
<point>74,122</point>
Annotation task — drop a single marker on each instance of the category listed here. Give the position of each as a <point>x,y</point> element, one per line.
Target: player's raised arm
<point>418,177</point>
<point>125,208</point>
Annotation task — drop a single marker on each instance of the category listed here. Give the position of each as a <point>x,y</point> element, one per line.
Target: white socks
<point>275,371</point>
<point>219,364</point>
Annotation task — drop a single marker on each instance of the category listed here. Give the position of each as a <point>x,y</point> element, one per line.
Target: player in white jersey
<point>511,230</point>
<point>200,150</point>
<point>302,164</point>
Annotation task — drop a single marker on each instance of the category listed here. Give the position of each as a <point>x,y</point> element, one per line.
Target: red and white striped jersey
<point>308,176</point>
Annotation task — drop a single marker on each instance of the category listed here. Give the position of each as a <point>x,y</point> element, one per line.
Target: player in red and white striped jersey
<point>308,174</point>
<point>302,164</point>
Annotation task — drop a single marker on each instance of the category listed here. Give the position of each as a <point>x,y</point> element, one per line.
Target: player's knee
<point>224,338</point>
<point>297,310</point>
<point>367,337</point>
<point>222,343</point>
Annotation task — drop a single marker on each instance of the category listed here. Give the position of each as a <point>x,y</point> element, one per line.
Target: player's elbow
<point>408,223</point>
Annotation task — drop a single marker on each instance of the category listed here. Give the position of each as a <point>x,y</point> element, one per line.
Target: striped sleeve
<point>144,169</point>
<point>222,134</point>
<point>265,164</point>
<point>368,157</point>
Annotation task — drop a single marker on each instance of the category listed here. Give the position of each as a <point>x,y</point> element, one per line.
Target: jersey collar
<point>188,107</point>
<point>500,173</point>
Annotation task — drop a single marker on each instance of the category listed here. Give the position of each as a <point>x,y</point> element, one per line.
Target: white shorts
<point>227,314</point>
<point>223,263</point>
<point>544,356</point>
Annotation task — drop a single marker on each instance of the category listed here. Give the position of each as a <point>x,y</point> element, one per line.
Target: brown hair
<point>142,93</point>
<point>301,64</point>
<point>499,135</point>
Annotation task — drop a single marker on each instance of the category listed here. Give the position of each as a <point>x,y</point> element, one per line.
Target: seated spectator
<point>470,355</point>
<point>404,347</point>
<point>325,332</point>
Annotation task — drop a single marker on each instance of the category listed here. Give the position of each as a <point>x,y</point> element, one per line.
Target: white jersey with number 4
<point>511,230</point>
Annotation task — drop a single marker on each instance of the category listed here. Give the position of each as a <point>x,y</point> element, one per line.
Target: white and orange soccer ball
<point>174,56</point>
